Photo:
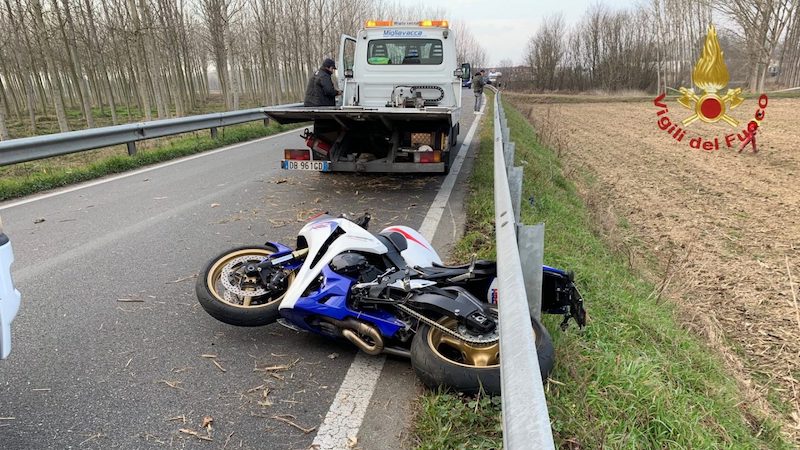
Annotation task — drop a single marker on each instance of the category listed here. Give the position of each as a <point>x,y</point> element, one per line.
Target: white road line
<point>431,221</point>
<point>347,411</point>
<point>139,171</point>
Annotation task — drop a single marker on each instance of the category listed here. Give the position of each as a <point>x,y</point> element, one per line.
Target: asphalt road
<point>109,343</point>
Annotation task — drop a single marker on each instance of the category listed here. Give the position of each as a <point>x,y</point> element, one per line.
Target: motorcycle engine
<point>354,265</point>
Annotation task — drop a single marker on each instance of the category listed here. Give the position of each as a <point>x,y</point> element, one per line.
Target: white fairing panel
<point>9,299</point>
<point>316,233</point>
<point>420,252</point>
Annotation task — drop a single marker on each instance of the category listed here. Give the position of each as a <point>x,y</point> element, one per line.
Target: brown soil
<point>717,231</point>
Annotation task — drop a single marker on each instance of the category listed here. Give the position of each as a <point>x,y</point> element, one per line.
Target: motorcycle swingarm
<point>457,303</point>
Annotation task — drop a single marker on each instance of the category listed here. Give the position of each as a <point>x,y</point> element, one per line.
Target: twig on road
<point>287,421</point>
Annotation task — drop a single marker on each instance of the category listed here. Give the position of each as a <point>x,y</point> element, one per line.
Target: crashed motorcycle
<point>386,293</point>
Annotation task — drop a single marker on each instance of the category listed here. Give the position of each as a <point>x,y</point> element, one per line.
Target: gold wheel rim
<point>215,275</point>
<point>459,352</point>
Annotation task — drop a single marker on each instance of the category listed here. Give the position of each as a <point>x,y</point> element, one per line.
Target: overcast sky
<point>504,26</point>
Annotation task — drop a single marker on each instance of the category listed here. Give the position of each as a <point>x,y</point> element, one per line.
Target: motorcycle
<point>387,293</point>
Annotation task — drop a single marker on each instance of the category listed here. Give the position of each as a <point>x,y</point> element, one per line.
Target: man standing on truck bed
<point>477,87</point>
<point>320,90</point>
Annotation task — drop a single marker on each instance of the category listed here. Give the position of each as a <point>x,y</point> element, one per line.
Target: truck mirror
<point>458,73</point>
<point>348,73</point>
<point>466,69</point>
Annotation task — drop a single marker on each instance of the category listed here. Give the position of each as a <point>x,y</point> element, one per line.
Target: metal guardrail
<point>526,422</point>
<point>38,147</point>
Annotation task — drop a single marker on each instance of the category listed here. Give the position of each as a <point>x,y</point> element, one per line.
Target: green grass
<point>634,378</point>
<point>28,178</point>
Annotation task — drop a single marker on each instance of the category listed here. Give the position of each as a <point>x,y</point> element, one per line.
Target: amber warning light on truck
<point>711,77</point>
<point>421,23</point>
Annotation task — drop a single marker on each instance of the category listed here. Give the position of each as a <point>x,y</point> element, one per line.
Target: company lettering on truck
<point>402,33</point>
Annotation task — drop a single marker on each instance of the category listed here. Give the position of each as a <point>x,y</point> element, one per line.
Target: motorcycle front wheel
<point>229,295</point>
<point>440,359</point>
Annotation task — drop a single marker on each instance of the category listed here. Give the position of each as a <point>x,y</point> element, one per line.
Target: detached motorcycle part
<point>560,296</point>
<point>223,286</point>
<point>440,359</point>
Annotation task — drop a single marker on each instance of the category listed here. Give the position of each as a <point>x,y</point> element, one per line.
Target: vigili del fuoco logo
<point>711,77</point>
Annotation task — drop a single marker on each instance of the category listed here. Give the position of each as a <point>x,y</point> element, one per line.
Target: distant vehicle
<point>9,297</point>
<point>493,77</point>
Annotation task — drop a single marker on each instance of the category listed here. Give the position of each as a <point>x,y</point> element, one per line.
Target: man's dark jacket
<point>477,84</point>
<point>320,90</point>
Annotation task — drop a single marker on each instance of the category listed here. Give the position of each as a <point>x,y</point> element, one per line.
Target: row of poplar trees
<point>655,45</point>
<point>146,59</point>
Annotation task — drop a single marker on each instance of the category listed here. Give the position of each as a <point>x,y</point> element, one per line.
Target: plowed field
<point>717,231</point>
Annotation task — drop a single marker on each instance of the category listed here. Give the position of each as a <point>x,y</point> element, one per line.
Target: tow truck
<point>9,296</point>
<point>400,105</point>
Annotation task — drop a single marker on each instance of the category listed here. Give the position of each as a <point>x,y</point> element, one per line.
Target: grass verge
<point>29,178</point>
<point>633,378</point>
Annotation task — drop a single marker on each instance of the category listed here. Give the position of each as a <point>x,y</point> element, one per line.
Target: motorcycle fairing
<point>420,252</point>
<point>330,300</point>
<point>327,237</point>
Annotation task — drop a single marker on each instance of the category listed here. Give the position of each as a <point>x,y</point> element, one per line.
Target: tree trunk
<point>56,92</point>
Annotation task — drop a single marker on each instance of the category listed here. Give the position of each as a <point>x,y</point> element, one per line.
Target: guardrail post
<point>131,148</point>
<point>530,239</point>
<point>515,187</point>
<point>213,132</point>
<point>266,122</point>
<point>510,148</point>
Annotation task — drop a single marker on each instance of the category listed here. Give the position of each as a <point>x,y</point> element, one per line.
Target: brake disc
<point>231,270</point>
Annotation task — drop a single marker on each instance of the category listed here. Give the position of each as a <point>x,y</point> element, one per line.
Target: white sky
<point>504,26</point>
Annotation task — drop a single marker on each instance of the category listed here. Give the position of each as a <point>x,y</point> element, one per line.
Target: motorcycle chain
<point>444,329</point>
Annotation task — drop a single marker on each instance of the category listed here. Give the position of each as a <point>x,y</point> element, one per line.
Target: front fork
<point>274,270</point>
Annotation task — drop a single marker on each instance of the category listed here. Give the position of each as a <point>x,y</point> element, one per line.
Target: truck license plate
<point>319,166</point>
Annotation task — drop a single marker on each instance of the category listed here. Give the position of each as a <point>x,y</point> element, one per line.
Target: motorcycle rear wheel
<point>440,359</point>
<point>228,307</point>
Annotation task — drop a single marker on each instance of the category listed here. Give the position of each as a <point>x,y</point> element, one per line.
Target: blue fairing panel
<point>331,301</point>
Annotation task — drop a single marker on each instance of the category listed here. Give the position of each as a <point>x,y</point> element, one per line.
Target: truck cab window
<point>405,51</point>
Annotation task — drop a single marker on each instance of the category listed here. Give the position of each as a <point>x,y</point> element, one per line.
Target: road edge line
<point>100,181</point>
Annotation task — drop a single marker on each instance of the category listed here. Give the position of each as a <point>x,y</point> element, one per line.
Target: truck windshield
<point>404,51</point>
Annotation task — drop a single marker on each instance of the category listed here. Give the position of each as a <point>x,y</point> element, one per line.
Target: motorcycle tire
<point>436,369</point>
<point>214,303</point>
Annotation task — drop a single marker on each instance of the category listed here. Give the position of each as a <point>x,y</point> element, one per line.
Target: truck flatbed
<point>344,114</point>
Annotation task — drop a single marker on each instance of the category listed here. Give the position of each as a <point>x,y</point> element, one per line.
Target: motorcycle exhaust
<point>351,329</point>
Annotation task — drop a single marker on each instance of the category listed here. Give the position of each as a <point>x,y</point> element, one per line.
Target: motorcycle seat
<point>482,264</point>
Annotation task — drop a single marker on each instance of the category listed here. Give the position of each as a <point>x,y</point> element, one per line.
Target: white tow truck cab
<point>9,297</point>
<point>400,105</point>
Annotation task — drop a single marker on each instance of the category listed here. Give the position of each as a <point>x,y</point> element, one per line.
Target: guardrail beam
<point>39,147</point>
<point>526,422</point>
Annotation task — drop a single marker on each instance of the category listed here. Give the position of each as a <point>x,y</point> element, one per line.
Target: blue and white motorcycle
<point>386,293</point>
